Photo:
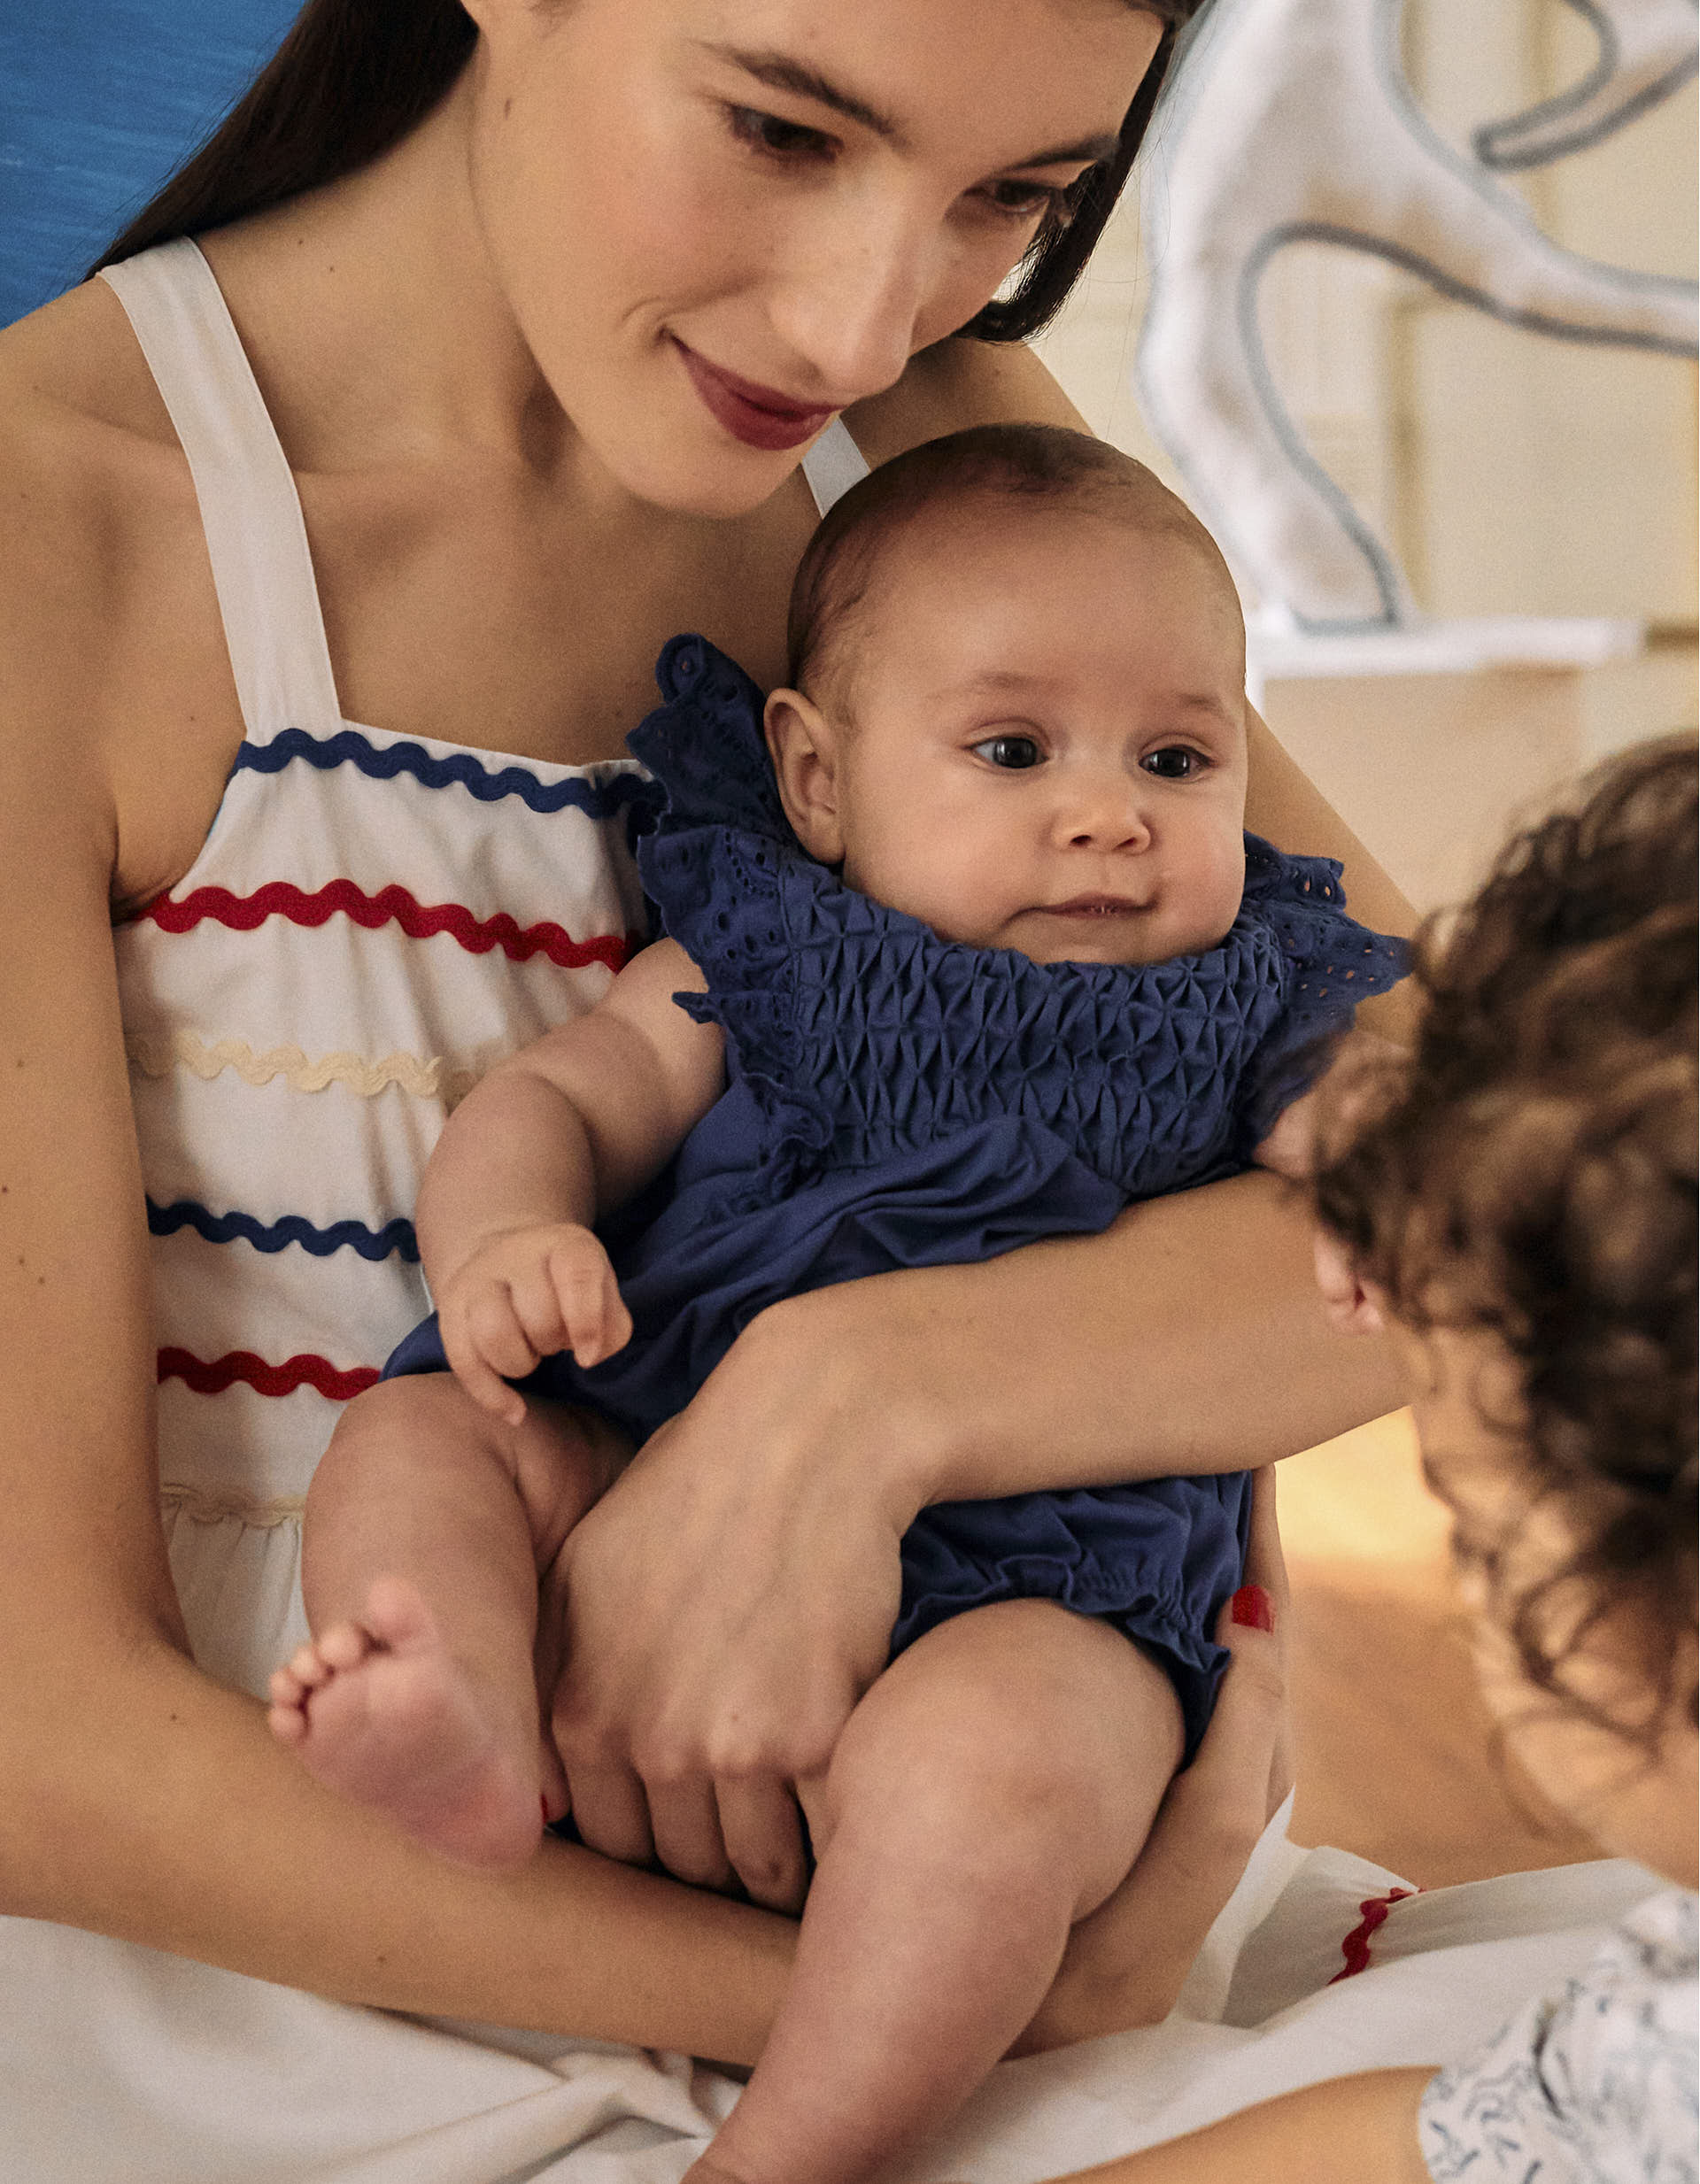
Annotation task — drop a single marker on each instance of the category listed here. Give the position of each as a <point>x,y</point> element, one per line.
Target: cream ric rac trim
<point>202,1508</point>
<point>157,1056</point>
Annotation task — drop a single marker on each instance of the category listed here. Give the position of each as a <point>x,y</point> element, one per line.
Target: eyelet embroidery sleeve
<point>1593,2085</point>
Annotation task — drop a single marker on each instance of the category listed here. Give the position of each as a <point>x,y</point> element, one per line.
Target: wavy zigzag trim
<point>305,1370</point>
<point>202,1508</point>
<point>1356,1947</point>
<point>395,1240</point>
<point>597,799</point>
<point>302,1072</point>
<point>391,906</point>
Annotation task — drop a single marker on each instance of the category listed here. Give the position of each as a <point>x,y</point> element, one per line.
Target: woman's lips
<point>758,416</point>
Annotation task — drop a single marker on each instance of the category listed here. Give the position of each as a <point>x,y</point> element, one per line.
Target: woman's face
<point>719,221</point>
<point>1465,1396</point>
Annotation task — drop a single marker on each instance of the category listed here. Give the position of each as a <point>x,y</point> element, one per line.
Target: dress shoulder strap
<point>250,510</point>
<point>833,465</point>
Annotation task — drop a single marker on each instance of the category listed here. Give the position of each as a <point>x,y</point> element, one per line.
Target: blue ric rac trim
<point>394,1241</point>
<point>598,800</point>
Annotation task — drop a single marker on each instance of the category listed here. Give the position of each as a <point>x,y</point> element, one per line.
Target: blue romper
<point>895,1099</point>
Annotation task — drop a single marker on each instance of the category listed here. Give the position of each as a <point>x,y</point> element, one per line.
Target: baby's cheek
<point>1217,885</point>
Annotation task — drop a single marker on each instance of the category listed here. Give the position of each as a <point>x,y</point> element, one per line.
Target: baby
<point>975,951</point>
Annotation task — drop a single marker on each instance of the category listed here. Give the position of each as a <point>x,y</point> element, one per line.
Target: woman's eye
<point>771,134</point>
<point>1173,762</point>
<point>1014,753</point>
<point>1018,200</point>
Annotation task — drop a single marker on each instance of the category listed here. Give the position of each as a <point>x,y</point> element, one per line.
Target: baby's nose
<point>1107,812</point>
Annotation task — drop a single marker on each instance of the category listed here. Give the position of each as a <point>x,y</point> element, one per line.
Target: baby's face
<point>1047,744</point>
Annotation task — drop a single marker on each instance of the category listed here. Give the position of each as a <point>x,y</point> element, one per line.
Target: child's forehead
<point>1085,551</point>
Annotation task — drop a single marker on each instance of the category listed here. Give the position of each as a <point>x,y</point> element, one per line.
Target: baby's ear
<point>805,756</point>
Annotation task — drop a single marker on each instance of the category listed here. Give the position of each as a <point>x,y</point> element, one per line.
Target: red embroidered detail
<point>1356,1947</point>
<point>389,906</point>
<point>304,1370</point>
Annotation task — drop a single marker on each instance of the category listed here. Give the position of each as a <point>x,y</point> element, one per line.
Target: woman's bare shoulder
<point>85,447</point>
<point>954,384</point>
<point>106,612</point>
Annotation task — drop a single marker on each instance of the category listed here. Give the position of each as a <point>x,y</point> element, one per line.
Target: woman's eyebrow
<point>780,72</point>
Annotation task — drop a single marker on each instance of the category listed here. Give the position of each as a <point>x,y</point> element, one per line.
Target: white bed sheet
<point>121,2065</point>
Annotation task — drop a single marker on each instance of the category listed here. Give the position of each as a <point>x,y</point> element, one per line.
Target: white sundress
<point>371,921</point>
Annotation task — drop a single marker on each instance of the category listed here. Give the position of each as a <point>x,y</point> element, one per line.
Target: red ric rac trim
<point>244,913</point>
<point>303,1370</point>
<point>1356,1947</point>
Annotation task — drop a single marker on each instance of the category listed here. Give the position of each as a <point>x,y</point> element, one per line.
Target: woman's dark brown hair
<point>354,76</point>
<point>1530,1173</point>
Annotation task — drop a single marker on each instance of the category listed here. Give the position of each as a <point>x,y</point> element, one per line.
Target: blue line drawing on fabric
<point>395,1240</point>
<point>1290,122</point>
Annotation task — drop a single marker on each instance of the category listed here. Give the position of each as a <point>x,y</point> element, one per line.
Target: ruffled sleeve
<point>720,867</point>
<point>1329,963</point>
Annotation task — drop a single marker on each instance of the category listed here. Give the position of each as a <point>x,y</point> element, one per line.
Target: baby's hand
<point>525,1295</point>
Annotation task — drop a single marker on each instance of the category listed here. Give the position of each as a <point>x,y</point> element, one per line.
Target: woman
<point>542,304</point>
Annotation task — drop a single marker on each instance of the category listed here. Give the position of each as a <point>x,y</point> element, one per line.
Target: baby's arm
<point>572,1125</point>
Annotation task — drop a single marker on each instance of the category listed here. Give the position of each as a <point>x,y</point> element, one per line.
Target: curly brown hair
<point>1529,1172</point>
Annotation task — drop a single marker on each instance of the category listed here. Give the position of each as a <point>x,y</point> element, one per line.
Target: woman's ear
<point>805,755</point>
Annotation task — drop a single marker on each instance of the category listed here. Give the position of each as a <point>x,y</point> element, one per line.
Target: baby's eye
<point>1173,762</point>
<point>1014,753</point>
<point>770,133</point>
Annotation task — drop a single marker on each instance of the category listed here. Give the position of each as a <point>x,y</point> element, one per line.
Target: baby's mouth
<point>1094,905</point>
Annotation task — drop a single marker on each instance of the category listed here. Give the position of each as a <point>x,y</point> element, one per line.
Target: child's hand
<point>523,1296</point>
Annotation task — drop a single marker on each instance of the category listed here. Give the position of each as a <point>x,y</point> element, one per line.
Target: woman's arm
<point>1358,2130</point>
<point>141,1800</point>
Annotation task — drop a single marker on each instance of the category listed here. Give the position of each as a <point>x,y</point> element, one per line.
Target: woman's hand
<point>721,1610</point>
<point>1127,1962</point>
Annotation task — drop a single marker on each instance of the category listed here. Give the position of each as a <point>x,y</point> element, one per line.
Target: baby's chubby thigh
<point>1017,1746</point>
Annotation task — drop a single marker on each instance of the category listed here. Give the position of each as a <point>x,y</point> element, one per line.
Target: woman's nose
<point>850,307</point>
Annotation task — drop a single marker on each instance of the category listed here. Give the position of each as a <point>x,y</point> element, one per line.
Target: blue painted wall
<point>99,101</point>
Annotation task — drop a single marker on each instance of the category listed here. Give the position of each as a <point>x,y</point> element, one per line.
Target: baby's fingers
<point>486,1348</point>
<point>587,1297</point>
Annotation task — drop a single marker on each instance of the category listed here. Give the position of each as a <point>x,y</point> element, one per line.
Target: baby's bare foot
<point>380,1711</point>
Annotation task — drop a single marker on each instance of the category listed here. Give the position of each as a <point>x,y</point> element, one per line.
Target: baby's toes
<point>342,1646</point>
<point>286,1688</point>
<point>286,1718</point>
<point>306,1668</point>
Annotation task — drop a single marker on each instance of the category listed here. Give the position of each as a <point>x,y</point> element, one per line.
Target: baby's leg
<point>993,1788</point>
<point>426,1523</point>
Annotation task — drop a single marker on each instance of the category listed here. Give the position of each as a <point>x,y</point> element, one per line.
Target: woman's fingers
<point>1266,1572</point>
<point>763,1832</point>
<point>684,1825</point>
<point>610,1811</point>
